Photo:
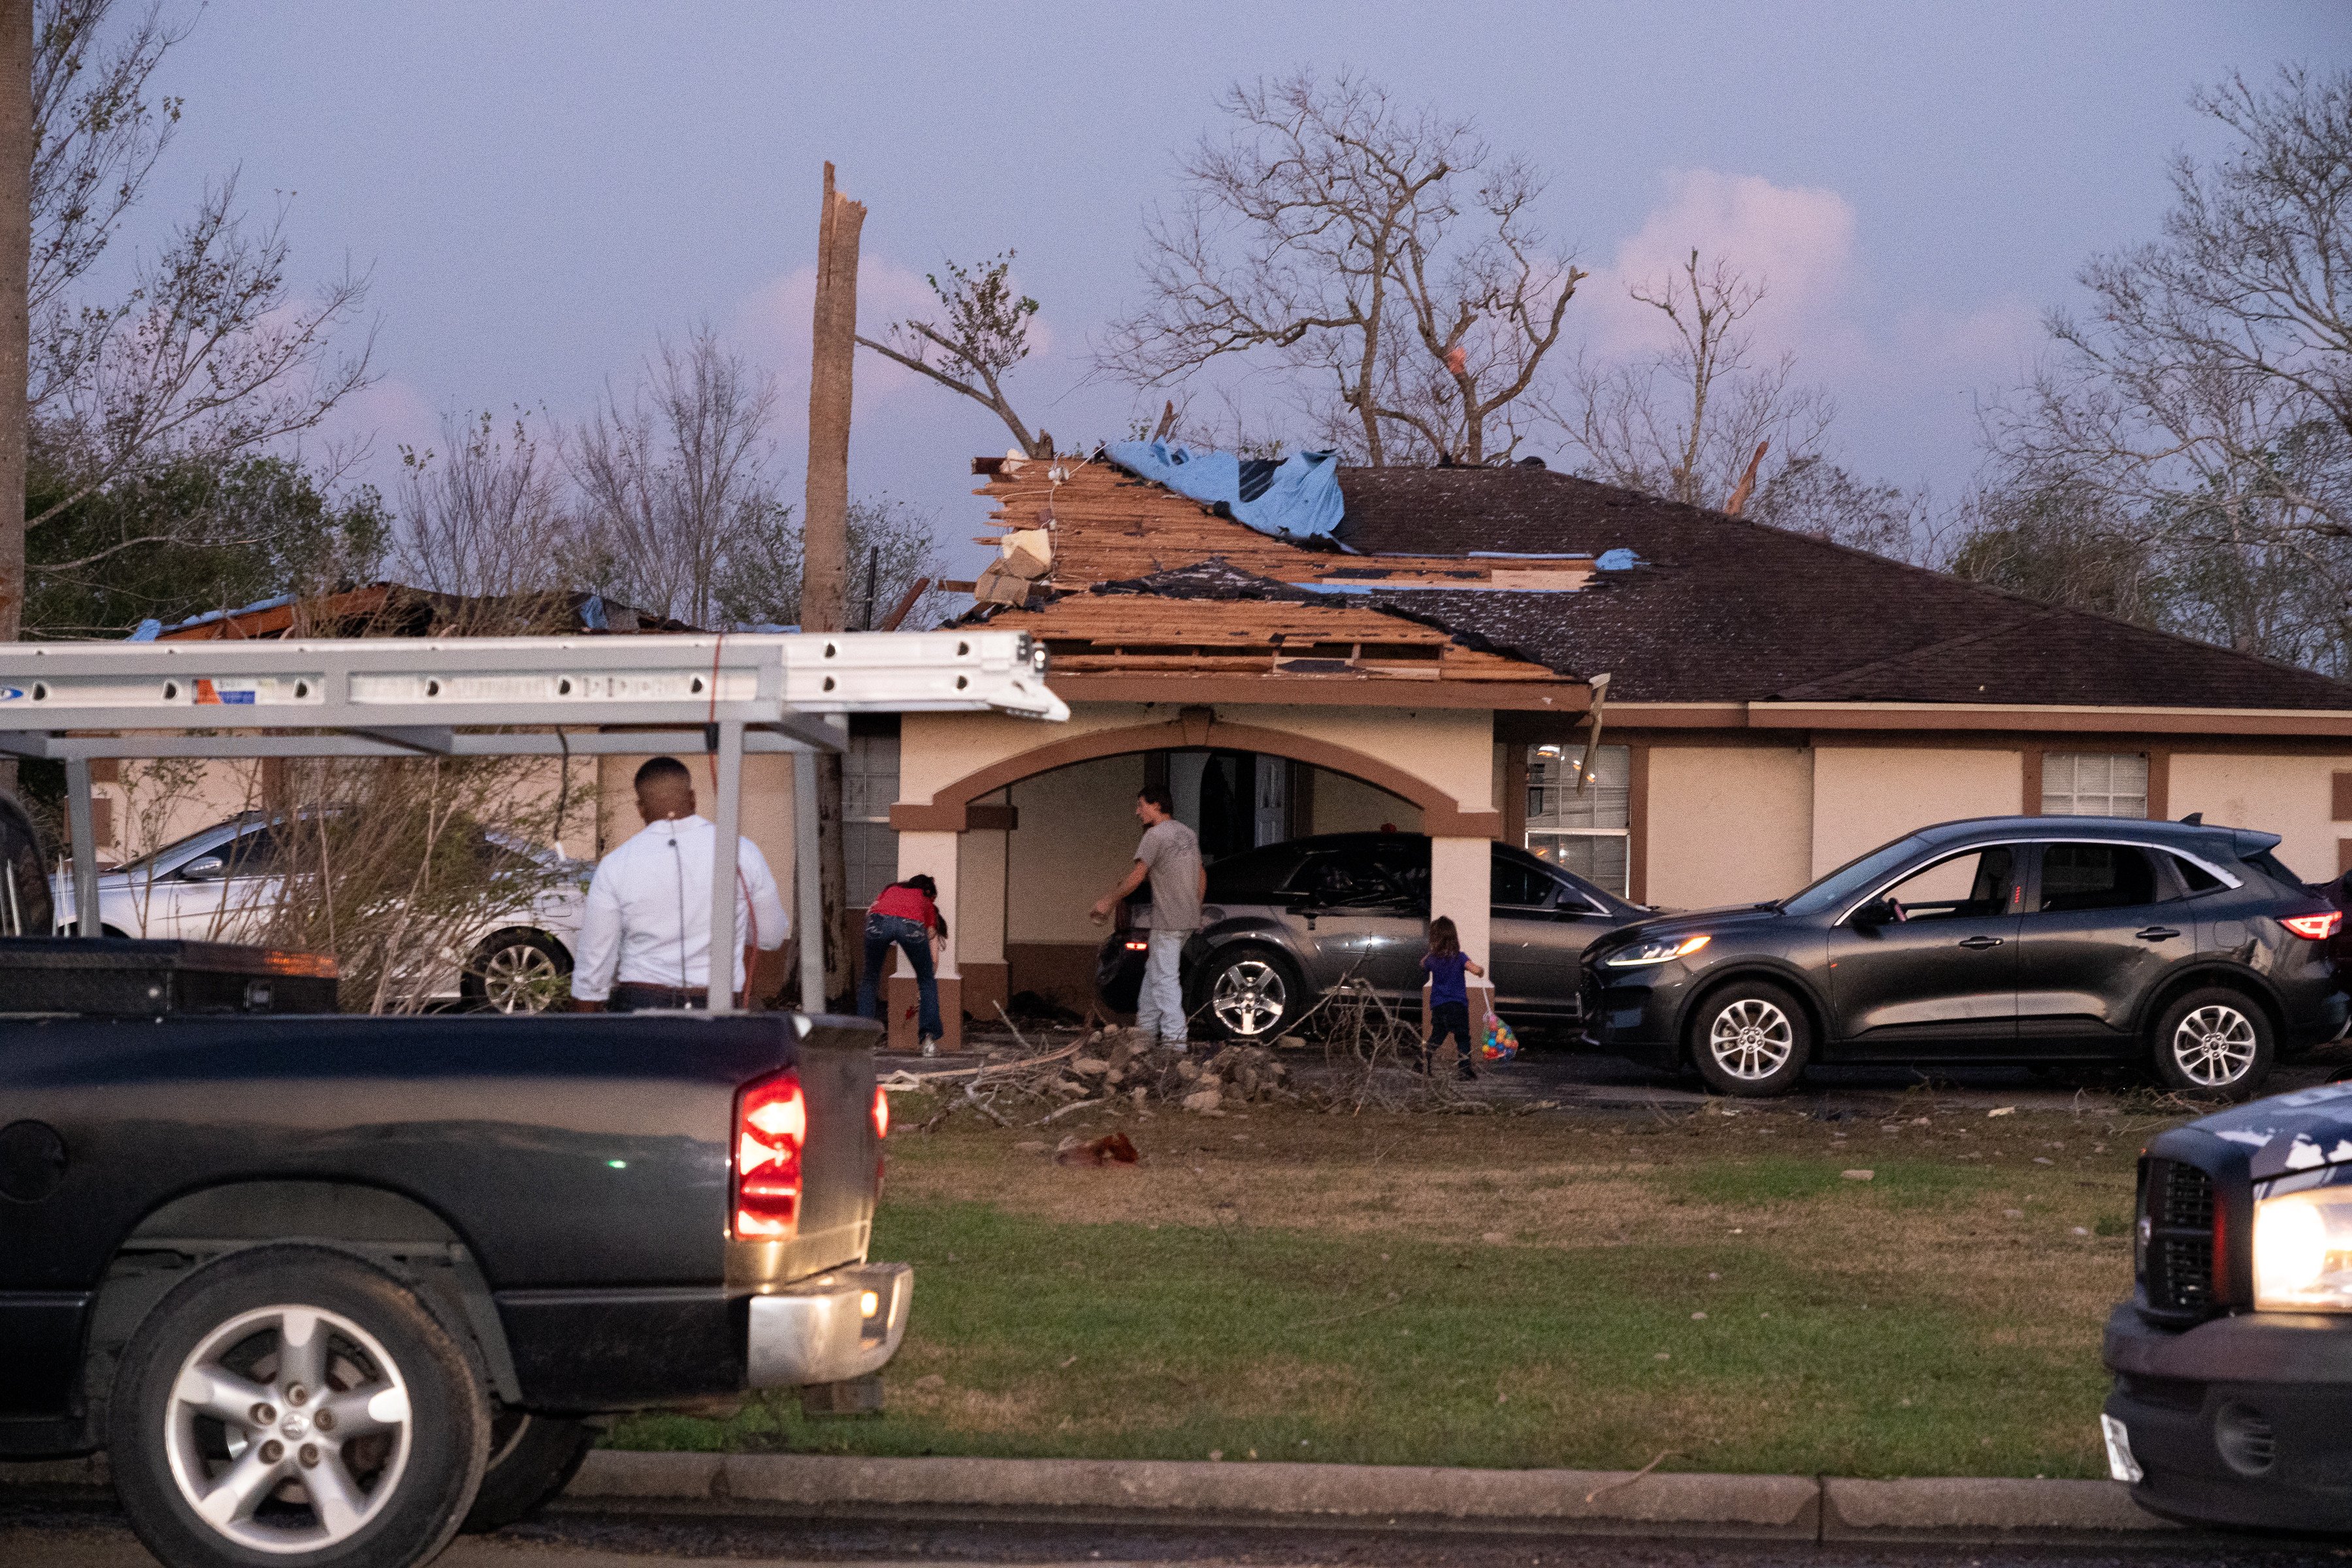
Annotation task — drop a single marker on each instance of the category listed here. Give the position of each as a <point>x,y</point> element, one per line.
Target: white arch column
<point>1461,886</point>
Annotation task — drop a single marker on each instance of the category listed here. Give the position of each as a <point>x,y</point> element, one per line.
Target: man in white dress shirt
<point>645,936</point>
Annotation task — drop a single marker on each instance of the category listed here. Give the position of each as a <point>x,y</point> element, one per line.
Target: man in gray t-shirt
<point>1169,855</point>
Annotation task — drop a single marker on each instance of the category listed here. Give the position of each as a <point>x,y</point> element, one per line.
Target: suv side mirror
<point>1877,913</point>
<point>204,869</point>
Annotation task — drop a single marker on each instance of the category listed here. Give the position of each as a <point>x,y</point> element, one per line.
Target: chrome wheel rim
<point>521,978</point>
<point>1249,998</point>
<point>1751,1039</point>
<point>2214,1046</point>
<point>288,1430</point>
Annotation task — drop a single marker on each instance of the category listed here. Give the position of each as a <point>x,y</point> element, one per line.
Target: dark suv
<point>1286,922</point>
<point>2184,947</point>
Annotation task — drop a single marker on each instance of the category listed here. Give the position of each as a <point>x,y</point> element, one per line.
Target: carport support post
<point>81,825</point>
<point>724,845</point>
<point>808,882</point>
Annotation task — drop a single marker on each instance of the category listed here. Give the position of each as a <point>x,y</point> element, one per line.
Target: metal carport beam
<point>395,696</point>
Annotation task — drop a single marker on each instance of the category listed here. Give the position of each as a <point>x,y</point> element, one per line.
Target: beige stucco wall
<point>1077,838</point>
<point>1864,796</point>
<point>1344,805</point>
<point>2291,797</point>
<point>1728,825</point>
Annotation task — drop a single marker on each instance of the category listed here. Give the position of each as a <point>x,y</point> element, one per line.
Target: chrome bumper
<point>820,1330</point>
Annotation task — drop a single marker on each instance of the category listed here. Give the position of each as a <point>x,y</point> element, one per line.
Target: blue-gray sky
<point>539,189</point>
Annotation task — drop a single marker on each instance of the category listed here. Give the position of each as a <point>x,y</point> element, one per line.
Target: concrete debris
<point>1111,1067</point>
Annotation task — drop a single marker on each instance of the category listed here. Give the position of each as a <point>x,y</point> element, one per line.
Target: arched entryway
<point>1029,839</point>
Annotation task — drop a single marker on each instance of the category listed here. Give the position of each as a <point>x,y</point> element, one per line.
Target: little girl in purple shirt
<point>1449,995</point>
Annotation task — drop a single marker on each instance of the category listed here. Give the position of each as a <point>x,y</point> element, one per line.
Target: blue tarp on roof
<point>1295,497</point>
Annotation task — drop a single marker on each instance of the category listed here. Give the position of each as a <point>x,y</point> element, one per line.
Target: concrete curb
<point>1953,1510</point>
<point>1796,1507</point>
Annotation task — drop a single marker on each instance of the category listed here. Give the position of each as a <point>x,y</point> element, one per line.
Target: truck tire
<point>2213,1044</point>
<point>1751,1038</point>
<point>532,1459</point>
<point>295,1406</point>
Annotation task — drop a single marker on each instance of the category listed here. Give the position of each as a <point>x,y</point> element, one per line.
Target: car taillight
<point>1136,945</point>
<point>2315,928</point>
<point>770,1125</point>
<point>881,1111</point>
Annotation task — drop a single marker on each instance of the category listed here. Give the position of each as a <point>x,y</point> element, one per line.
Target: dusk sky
<point>539,189</point>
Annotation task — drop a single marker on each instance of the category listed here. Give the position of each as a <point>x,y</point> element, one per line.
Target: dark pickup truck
<point>326,1287</point>
<point>2232,1399</point>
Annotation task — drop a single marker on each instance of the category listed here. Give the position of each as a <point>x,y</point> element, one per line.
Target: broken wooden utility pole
<point>825,534</point>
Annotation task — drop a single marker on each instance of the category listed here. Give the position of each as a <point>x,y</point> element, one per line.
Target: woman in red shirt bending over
<point>906,915</point>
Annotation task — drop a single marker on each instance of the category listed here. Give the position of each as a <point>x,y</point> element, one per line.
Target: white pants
<point>1160,1009</point>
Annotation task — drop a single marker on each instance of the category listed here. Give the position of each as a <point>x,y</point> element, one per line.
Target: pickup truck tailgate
<point>840,1158</point>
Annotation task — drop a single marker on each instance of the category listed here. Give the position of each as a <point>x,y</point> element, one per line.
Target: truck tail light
<point>770,1125</point>
<point>2315,928</point>
<point>881,1111</point>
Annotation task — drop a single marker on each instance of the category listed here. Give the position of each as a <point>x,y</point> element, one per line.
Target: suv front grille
<point>2178,1278</point>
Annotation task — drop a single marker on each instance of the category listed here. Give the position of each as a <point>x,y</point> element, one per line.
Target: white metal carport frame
<point>475,697</point>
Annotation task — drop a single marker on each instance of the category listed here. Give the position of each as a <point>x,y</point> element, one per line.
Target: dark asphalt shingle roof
<point>1726,609</point>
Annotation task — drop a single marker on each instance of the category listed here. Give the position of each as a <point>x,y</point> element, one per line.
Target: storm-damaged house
<point>1299,647</point>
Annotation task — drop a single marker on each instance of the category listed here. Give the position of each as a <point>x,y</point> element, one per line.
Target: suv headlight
<point>2303,1251</point>
<point>1658,949</point>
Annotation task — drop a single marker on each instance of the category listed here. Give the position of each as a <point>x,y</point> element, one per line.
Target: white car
<point>203,887</point>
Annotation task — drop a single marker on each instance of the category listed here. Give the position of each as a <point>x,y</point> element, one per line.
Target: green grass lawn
<point>1537,1291</point>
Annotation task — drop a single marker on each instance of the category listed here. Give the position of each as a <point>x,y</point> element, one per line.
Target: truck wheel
<point>292,1404</point>
<point>532,1459</point>
<point>517,971</point>
<point>1249,993</point>
<point>1750,1038</point>
<point>2213,1044</point>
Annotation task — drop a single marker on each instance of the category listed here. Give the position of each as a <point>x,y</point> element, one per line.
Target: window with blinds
<point>2094,783</point>
<point>1587,832</point>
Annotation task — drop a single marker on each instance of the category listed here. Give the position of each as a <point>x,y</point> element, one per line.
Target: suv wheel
<point>517,972</point>
<point>1249,993</point>
<point>1751,1038</point>
<point>2213,1044</point>
<point>293,1404</point>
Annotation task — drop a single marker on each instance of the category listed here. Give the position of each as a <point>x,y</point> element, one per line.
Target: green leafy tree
<point>194,535</point>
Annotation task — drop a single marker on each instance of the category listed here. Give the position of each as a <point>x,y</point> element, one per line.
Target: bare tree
<point>985,334</point>
<point>893,546</point>
<point>2205,397</point>
<point>486,517</point>
<point>1328,231</point>
<point>1684,423</point>
<point>679,477</point>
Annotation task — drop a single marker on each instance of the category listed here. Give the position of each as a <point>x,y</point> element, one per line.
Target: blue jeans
<point>1159,1008</point>
<point>914,939</point>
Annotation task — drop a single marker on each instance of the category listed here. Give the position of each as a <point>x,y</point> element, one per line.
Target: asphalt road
<point>78,1537</point>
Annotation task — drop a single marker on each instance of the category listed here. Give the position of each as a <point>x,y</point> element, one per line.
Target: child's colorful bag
<point>1500,1045</point>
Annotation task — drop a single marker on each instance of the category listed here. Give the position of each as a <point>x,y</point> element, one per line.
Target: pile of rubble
<point>1113,1064</point>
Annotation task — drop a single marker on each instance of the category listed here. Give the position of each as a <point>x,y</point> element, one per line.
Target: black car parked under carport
<point>2182,947</point>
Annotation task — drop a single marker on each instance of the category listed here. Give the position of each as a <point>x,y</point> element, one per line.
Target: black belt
<point>668,995</point>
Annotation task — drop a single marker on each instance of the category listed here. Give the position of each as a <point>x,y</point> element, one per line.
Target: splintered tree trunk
<point>824,535</point>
